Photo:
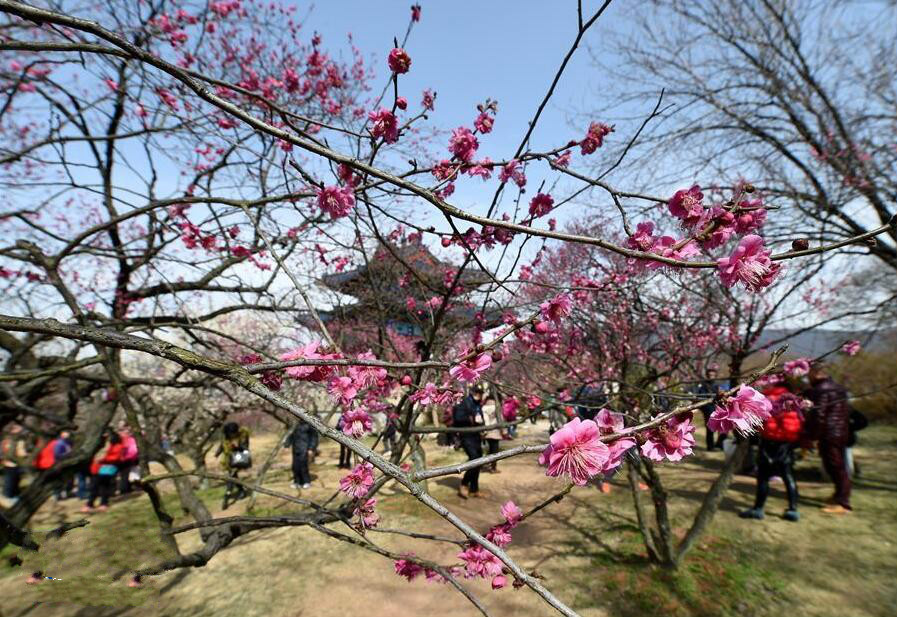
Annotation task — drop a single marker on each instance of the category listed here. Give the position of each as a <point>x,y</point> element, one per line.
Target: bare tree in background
<point>798,97</point>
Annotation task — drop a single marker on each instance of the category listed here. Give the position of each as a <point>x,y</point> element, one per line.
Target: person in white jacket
<point>493,437</point>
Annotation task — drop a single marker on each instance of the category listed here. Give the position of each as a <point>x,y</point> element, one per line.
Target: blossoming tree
<point>285,165</point>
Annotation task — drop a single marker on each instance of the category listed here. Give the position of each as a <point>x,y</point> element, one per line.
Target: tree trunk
<point>644,528</point>
<point>659,496</point>
<point>711,502</point>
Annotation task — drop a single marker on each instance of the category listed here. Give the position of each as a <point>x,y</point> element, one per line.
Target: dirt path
<point>584,547</point>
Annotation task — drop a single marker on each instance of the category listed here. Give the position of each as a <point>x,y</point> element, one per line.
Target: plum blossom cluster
<point>671,440</point>
<point>227,242</point>
<point>476,561</point>
<point>709,227</point>
<point>576,452</point>
<point>358,482</point>
<point>851,348</point>
<point>797,368</point>
<point>359,389</point>
<point>744,412</point>
<point>470,370</point>
<point>337,201</point>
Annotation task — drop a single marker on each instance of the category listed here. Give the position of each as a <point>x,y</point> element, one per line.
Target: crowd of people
<point>809,411</point>
<point>113,470</point>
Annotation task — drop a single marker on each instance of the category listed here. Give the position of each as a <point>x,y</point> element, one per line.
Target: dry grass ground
<point>586,548</point>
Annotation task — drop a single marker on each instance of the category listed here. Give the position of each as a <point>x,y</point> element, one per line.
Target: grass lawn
<point>587,548</point>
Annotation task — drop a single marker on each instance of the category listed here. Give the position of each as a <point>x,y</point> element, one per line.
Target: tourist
<point>468,414</point>
<point>345,454</point>
<point>14,453</point>
<point>103,472</point>
<point>781,433</point>
<point>709,388</point>
<point>493,437</point>
<point>235,456</point>
<point>857,422</point>
<point>303,439</point>
<point>830,422</point>
<point>61,449</point>
<point>128,467</point>
<point>390,434</point>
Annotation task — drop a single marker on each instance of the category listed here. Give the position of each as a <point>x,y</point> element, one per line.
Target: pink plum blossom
<point>749,264</point>
<point>480,562</point>
<point>664,247</point>
<point>399,61</point>
<point>851,348</point>
<point>557,308</point>
<point>512,171</point>
<point>575,451</point>
<point>367,517</point>
<point>563,160</point>
<point>342,388</point>
<point>426,395</point>
<point>484,122</point>
<point>470,370</point>
<point>540,205</point>
<point>745,411</point>
<point>428,101</point>
<point>359,481</point>
<point>384,125</point>
<point>672,440</point>
<point>642,239</point>
<point>500,535</point>
<point>610,423</point>
<point>463,144</point>
<point>509,408</point>
<point>797,368</point>
<point>407,568</point>
<point>337,201</point>
<point>511,513</point>
<point>309,373</point>
<point>357,422</point>
<point>686,205</point>
<point>595,137</point>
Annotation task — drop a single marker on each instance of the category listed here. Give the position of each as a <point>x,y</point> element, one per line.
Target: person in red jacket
<point>781,433</point>
<point>103,472</point>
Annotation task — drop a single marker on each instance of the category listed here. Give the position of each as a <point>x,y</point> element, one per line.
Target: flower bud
<point>497,356</point>
<point>801,244</point>
<point>749,188</point>
<point>406,380</point>
<point>446,241</point>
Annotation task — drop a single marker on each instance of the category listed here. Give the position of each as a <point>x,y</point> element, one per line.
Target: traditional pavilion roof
<point>390,262</point>
<point>381,276</point>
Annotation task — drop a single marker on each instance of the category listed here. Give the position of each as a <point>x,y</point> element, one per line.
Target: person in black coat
<point>830,423</point>
<point>304,441</point>
<point>469,413</point>
<point>709,388</point>
<point>345,454</point>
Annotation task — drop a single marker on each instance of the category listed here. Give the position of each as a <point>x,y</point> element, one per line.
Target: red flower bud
<point>801,244</point>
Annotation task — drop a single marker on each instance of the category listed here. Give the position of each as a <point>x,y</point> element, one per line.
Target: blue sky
<point>468,51</point>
